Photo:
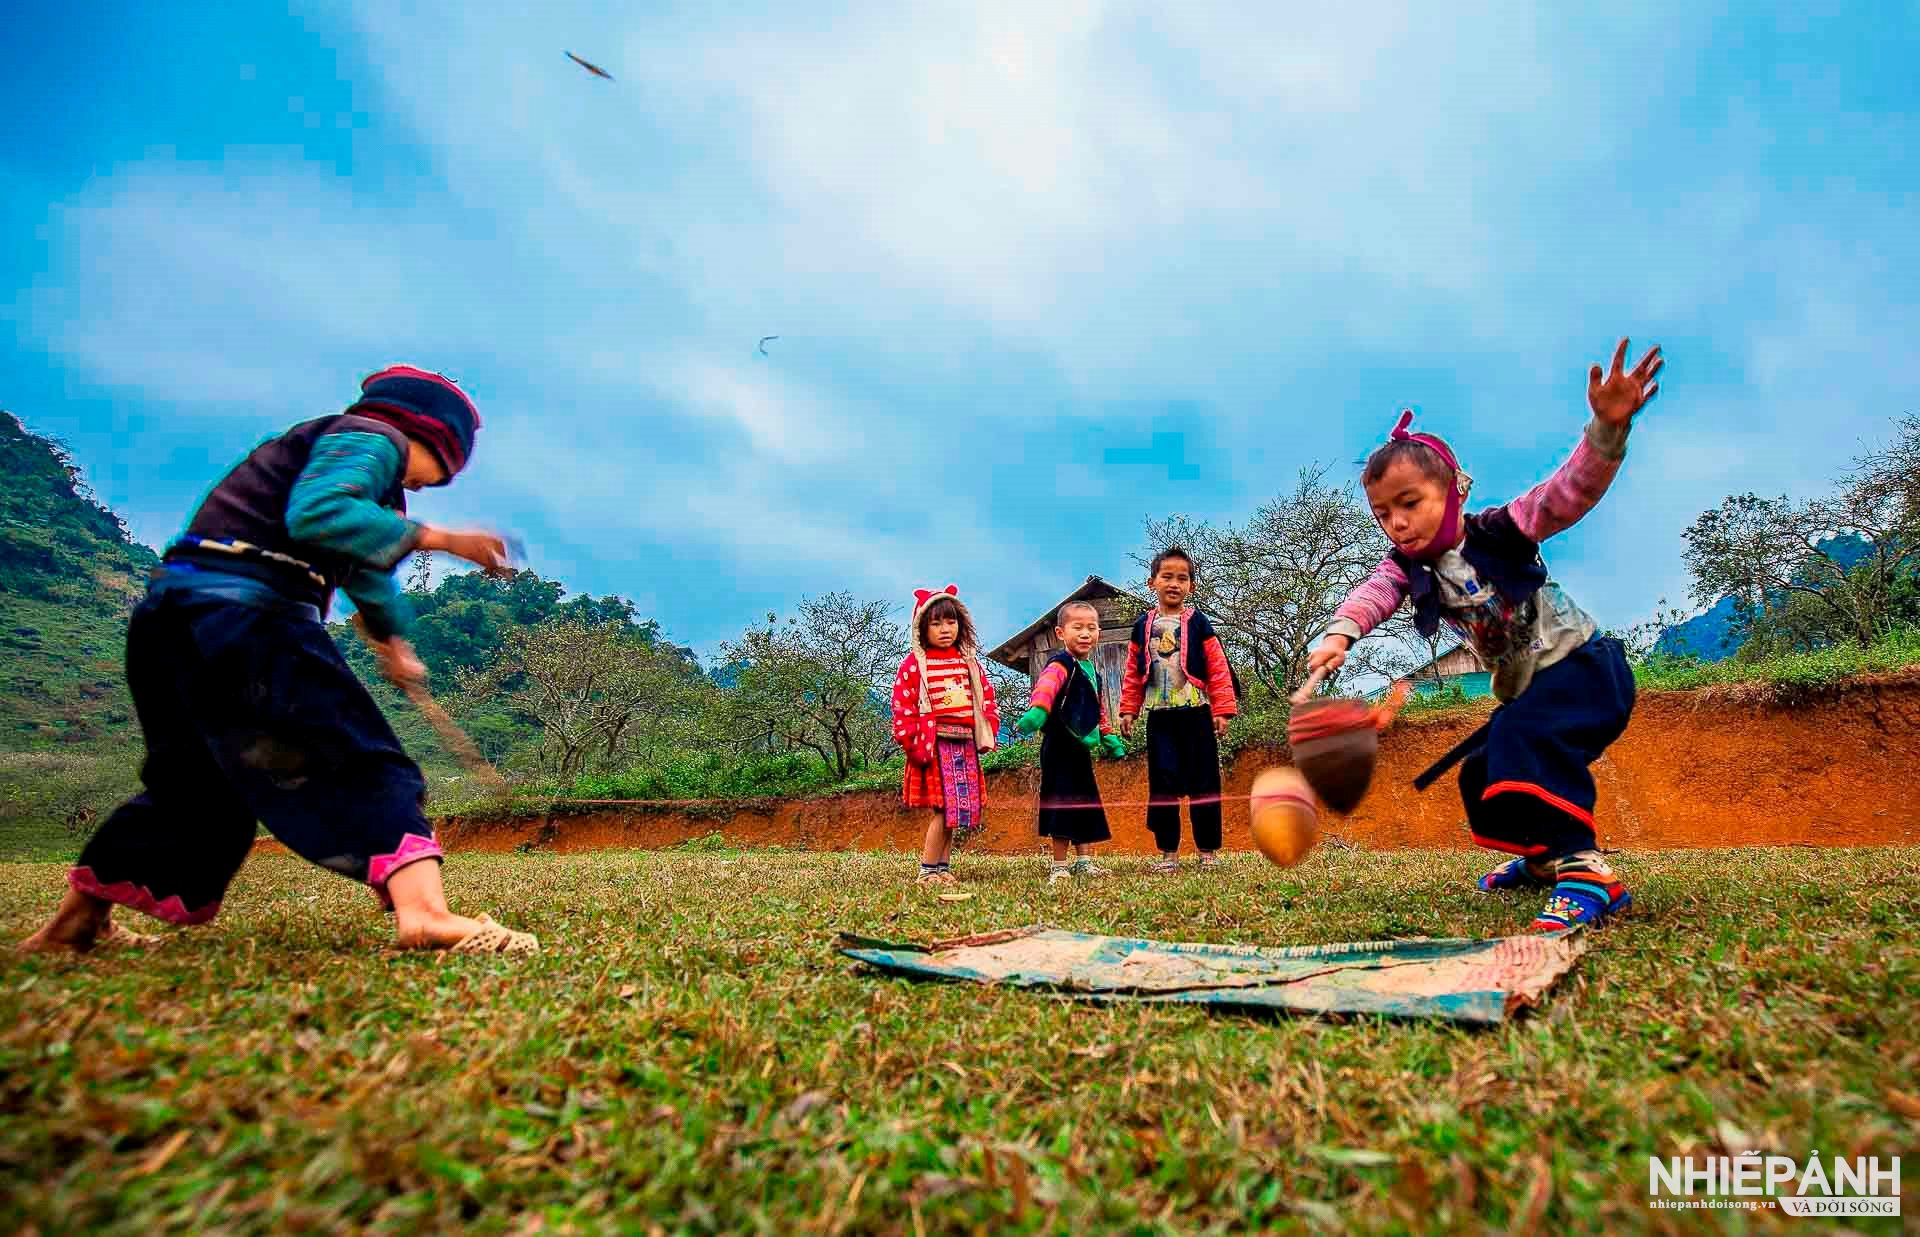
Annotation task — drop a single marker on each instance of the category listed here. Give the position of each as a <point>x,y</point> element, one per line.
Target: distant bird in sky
<point>594,69</point>
<point>763,343</point>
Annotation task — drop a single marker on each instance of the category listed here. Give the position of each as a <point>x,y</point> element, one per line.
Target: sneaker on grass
<point>1580,899</point>
<point>1517,874</point>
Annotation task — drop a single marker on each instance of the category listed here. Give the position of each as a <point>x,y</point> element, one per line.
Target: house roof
<point>1008,654</point>
<point>1445,653</point>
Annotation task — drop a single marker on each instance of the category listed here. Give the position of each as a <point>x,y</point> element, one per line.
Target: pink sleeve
<point>989,706</point>
<point>1219,680</point>
<point>1046,689</point>
<point>1378,596</point>
<point>1557,503</point>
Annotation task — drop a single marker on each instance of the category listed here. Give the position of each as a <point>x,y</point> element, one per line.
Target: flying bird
<point>763,343</point>
<point>594,69</point>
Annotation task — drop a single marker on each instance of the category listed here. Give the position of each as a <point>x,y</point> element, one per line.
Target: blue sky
<point>1040,272</point>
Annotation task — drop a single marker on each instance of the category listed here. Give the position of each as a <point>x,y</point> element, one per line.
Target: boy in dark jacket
<point>1177,674</point>
<point>1066,709</point>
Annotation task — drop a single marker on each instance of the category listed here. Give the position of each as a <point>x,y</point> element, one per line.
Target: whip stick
<point>455,738</point>
<point>1305,691</point>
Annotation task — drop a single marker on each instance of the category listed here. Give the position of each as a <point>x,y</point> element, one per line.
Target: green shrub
<point>1787,673</point>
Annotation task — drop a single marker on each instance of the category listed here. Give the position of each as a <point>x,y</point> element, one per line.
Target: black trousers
<point>1530,791</point>
<point>250,715</point>
<point>1070,807</point>
<point>1183,762</point>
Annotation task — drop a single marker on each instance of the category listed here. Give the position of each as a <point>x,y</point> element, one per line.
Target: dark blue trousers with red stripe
<point>250,715</point>
<point>1529,790</point>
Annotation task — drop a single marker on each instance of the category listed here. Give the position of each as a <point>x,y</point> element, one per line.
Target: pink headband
<point>1450,523</point>
<point>1402,433</point>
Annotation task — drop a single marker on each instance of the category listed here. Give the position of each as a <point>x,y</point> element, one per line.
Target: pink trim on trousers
<point>140,898</point>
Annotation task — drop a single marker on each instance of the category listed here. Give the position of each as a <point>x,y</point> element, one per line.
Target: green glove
<point>1115,746</point>
<point>1031,720</point>
<point>1091,741</point>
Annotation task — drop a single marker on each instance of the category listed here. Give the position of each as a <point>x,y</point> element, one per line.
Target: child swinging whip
<point>1566,692</point>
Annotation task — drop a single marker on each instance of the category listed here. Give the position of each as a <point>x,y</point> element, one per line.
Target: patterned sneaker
<point>1165,865</point>
<point>1209,859</point>
<point>1085,867</point>
<point>1581,897</point>
<point>1057,872</point>
<point>1514,874</point>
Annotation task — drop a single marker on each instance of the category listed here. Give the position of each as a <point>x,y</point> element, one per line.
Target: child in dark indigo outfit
<point>250,713</point>
<point>1067,710</point>
<point>1566,691</point>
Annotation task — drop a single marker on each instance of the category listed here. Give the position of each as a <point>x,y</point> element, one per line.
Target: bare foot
<point>75,928</point>
<point>431,929</point>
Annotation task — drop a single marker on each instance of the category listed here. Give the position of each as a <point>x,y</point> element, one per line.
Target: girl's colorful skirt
<point>952,785</point>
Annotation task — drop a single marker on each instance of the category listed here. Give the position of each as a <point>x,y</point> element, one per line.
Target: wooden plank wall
<point>1109,656</point>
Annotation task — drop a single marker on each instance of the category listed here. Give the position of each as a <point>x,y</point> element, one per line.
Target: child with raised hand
<point>1177,674</point>
<point>1565,692</point>
<point>944,716</point>
<point>250,713</point>
<point>1066,710</point>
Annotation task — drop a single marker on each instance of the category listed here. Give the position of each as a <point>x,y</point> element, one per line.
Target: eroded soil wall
<point>1695,769</point>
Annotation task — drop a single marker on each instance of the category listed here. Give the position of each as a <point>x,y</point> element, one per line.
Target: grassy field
<point>690,1053</point>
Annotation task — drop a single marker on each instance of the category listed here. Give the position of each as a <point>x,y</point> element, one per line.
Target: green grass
<point>1788,674</point>
<point>689,1052</point>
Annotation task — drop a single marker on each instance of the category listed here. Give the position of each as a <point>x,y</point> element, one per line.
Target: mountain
<point>56,540</point>
<point>69,575</point>
<point>1711,636</point>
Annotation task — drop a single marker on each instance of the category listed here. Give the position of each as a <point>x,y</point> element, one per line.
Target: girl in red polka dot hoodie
<point>943,718</point>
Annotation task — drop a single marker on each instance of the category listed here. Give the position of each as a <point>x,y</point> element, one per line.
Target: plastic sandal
<point>495,938</point>
<point>122,937</point>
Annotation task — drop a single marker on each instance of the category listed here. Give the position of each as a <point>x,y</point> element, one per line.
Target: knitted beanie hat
<point>425,406</point>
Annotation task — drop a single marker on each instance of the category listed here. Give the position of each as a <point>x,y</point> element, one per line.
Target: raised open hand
<point>1616,398</point>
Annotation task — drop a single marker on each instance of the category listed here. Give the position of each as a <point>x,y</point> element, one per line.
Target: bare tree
<point>597,689</point>
<point>1642,640</point>
<point>1273,584</point>
<point>1012,692</point>
<point>420,573</point>
<point>1888,479</point>
<point>821,681</point>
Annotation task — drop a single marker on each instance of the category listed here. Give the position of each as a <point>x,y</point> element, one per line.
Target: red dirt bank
<point>1695,769</point>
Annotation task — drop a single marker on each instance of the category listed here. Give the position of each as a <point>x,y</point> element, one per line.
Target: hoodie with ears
<point>913,723</point>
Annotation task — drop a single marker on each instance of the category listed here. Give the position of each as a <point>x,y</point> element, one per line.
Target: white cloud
<point>969,219</point>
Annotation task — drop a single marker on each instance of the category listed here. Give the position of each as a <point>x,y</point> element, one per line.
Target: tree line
<point>563,689</point>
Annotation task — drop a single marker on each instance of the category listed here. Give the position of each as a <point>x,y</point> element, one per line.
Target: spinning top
<point>1335,740</point>
<point>1285,822</point>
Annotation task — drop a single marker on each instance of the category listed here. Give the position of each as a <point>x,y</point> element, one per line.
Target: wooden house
<point>1029,648</point>
<point>1458,669</point>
